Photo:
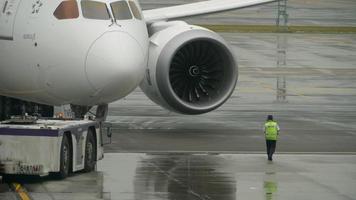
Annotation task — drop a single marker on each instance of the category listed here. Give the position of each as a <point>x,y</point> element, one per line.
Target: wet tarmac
<point>205,177</point>
<point>228,177</point>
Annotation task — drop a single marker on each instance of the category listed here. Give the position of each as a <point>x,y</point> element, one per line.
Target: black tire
<point>90,152</point>
<point>65,160</point>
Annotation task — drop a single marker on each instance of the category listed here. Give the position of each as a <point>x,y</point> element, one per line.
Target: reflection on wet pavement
<point>271,190</point>
<point>183,177</point>
<point>168,177</point>
<point>227,177</point>
<point>171,176</point>
<point>270,187</point>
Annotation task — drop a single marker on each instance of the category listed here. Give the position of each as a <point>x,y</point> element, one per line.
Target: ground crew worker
<point>271,130</point>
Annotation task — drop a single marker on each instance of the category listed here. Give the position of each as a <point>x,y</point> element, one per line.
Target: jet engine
<point>191,70</point>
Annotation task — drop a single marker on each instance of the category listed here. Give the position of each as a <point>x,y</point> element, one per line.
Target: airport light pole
<point>282,29</point>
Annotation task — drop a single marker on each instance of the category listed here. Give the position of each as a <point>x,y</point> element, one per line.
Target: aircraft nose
<point>114,65</point>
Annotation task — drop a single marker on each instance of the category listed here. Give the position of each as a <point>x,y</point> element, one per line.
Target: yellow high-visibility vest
<point>271,130</point>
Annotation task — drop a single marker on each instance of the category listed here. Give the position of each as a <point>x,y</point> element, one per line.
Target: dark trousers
<point>271,148</point>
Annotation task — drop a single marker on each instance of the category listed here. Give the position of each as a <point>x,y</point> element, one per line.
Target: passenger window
<point>136,12</point>
<point>121,10</point>
<point>67,10</point>
<point>95,10</point>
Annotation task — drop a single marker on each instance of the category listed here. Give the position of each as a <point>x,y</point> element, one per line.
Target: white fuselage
<point>60,61</point>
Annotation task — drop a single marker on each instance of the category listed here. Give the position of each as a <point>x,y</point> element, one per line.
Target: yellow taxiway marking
<point>21,191</point>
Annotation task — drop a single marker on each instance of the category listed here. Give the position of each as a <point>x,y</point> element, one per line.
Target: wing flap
<point>198,8</point>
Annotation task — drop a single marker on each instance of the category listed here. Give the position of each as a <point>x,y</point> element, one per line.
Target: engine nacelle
<point>191,70</point>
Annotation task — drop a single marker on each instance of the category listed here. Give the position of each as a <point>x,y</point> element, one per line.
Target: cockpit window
<point>95,10</point>
<point>67,10</point>
<point>121,10</point>
<point>135,11</point>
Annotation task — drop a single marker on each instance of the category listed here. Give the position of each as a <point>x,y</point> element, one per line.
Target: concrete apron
<point>184,176</point>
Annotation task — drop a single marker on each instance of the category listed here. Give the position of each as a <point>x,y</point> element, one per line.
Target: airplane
<point>94,52</point>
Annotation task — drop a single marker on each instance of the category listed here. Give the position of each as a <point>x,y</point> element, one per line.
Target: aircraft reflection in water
<point>183,177</point>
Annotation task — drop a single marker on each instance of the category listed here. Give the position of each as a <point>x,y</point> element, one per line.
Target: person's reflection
<point>270,190</point>
<point>183,177</point>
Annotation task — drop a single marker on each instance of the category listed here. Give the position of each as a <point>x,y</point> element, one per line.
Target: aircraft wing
<point>198,8</point>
